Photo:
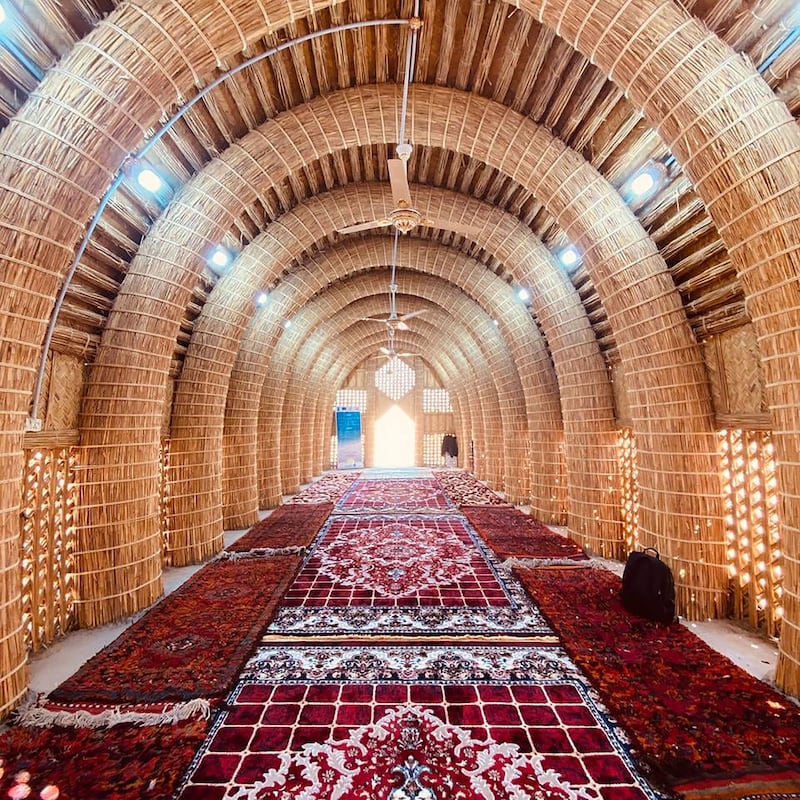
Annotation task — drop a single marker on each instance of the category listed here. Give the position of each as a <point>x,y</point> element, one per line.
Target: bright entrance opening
<point>394,439</point>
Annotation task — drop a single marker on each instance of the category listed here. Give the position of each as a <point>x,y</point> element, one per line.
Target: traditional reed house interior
<point>564,235</point>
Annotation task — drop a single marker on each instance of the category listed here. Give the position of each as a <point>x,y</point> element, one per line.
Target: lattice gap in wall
<point>47,544</point>
<point>164,502</point>
<point>354,399</point>
<point>436,401</point>
<point>629,487</point>
<point>755,558</point>
<point>432,449</point>
<point>395,378</point>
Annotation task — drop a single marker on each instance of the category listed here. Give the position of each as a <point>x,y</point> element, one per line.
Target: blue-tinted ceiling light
<point>524,295</point>
<point>568,256</point>
<point>642,183</point>
<point>287,323</point>
<point>149,179</point>
<point>220,258</point>
<point>261,298</point>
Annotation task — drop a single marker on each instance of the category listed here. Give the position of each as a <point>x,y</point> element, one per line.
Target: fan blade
<point>411,314</point>
<point>365,226</point>
<point>461,230</point>
<point>401,326</point>
<point>386,351</point>
<point>401,194</point>
<point>382,320</point>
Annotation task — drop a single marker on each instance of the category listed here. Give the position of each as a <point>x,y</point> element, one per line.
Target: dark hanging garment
<point>449,445</point>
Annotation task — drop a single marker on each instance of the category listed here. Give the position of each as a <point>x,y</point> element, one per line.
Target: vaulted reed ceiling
<point>488,48</point>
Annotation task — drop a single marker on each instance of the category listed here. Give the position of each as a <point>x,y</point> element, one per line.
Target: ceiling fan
<point>404,217</point>
<point>389,352</point>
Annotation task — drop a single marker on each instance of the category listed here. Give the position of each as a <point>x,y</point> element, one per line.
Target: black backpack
<point>648,589</point>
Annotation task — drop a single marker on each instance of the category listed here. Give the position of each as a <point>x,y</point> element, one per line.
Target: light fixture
<point>644,182</point>
<point>261,298</point>
<point>219,258</point>
<point>524,295</point>
<point>568,256</point>
<point>287,323</point>
<point>149,179</point>
<point>496,323</point>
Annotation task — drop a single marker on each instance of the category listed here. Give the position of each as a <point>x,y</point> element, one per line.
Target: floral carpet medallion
<point>412,722</point>
<point>411,754</point>
<point>395,559</point>
<point>369,496</point>
<point>389,573</point>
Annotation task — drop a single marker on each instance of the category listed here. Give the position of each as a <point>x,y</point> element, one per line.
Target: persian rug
<point>327,489</point>
<point>402,722</point>
<point>464,489</point>
<point>126,762</point>
<point>287,526</point>
<point>191,644</point>
<point>406,573</point>
<point>704,726</point>
<point>399,496</point>
<point>511,534</point>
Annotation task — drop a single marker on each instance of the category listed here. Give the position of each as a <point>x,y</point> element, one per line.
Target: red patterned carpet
<point>399,661</point>
<point>396,495</point>
<point>191,644</point>
<point>290,525</point>
<point>704,726</point>
<point>413,722</point>
<point>511,534</point>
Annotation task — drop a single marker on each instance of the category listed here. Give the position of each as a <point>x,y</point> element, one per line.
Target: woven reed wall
<point>436,291</point>
<point>47,539</point>
<point>755,555</point>
<point>165,501</point>
<point>517,329</point>
<point>711,106</point>
<point>629,487</point>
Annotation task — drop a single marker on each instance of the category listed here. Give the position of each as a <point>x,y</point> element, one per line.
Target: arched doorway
<point>395,435</point>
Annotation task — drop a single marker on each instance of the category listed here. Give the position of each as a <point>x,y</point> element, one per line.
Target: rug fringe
<point>511,562</point>
<point>39,717</point>
<point>258,552</point>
